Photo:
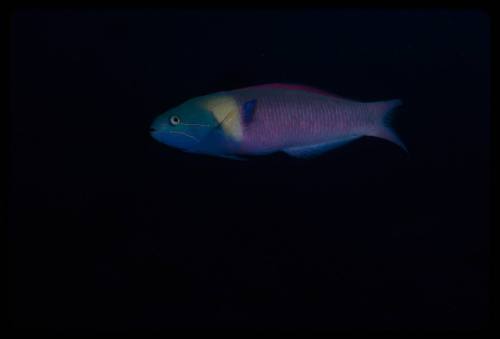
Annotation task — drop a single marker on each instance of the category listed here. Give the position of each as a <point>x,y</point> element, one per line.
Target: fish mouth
<point>176,139</point>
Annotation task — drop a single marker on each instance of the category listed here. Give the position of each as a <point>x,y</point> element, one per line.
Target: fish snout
<point>177,139</point>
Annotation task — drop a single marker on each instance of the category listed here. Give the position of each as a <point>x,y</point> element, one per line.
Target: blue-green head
<point>185,126</point>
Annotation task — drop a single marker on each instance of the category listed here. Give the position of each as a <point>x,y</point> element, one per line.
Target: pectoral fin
<point>248,111</point>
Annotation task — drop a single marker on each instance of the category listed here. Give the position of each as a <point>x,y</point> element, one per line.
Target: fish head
<point>185,126</point>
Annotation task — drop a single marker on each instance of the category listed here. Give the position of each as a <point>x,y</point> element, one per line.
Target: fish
<point>300,120</point>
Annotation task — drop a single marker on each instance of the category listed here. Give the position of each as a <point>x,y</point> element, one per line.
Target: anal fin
<point>315,150</point>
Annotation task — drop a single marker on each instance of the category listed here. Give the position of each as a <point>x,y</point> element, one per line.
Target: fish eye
<point>175,120</point>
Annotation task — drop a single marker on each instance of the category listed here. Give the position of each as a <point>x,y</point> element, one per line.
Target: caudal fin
<point>385,111</point>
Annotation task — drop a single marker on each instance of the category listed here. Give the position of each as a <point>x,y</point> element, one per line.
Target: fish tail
<point>385,111</point>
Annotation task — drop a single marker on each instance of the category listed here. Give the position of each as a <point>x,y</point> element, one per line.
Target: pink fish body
<point>299,120</point>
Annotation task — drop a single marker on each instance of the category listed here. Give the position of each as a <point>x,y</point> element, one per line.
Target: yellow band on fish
<point>226,111</point>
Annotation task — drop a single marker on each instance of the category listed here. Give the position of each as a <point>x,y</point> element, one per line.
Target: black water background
<point>109,230</point>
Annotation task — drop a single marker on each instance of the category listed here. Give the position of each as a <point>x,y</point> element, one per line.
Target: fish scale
<point>299,120</point>
<point>285,118</point>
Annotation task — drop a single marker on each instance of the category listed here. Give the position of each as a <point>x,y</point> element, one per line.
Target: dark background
<point>111,231</point>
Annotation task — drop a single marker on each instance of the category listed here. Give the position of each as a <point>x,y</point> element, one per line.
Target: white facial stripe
<point>185,134</point>
<point>202,125</point>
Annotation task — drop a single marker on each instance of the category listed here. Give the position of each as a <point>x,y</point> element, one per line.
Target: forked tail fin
<point>385,111</point>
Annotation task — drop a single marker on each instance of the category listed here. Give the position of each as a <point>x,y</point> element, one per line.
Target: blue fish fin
<point>232,157</point>
<point>385,111</point>
<point>315,150</point>
<point>227,156</point>
<point>248,111</point>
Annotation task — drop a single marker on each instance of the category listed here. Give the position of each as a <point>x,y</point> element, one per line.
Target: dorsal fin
<point>296,87</point>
